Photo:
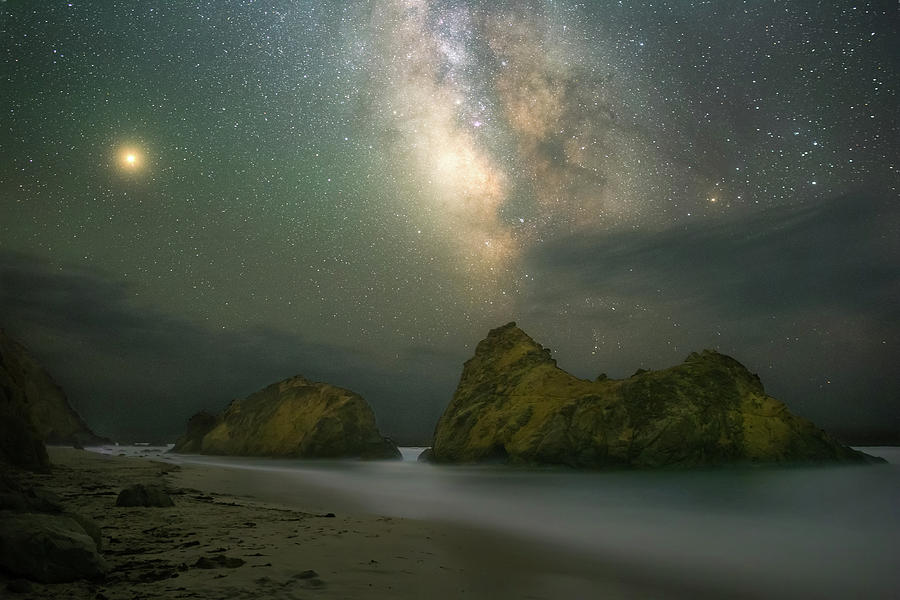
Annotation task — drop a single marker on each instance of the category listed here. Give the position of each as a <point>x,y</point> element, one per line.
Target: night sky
<point>198,199</point>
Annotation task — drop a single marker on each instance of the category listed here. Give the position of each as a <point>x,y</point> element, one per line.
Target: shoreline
<point>288,552</point>
<point>305,537</point>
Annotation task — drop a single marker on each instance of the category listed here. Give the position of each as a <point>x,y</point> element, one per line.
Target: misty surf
<point>823,532</point>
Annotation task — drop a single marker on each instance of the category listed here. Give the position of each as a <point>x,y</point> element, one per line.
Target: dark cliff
<point>34,409</point>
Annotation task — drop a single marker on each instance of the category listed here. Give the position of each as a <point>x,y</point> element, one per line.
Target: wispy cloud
<point>807,296</point>
<point>137,372</point>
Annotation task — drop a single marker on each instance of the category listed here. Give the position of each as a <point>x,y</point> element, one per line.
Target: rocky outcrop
<point>30,394</point>
<point>513,404</point>
<point>292,418</point>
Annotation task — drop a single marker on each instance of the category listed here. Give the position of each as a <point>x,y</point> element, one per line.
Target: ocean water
<point>818,532</point>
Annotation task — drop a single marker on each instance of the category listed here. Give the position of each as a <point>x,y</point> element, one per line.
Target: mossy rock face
<point>292,418</point>
<point>515,405</point>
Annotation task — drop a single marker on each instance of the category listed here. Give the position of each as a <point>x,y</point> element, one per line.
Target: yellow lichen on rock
<point>291,418</point>
<point>513,404</point>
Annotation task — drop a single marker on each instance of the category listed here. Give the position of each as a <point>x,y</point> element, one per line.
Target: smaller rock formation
<point>141,494</point>
<point>514,405</point>
<point>292,418</point>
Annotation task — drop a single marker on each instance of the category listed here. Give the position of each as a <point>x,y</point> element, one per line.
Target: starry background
<point>200,198</point>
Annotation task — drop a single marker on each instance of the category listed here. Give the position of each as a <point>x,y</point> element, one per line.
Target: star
<point>130,159</point>
<point>409,168</point>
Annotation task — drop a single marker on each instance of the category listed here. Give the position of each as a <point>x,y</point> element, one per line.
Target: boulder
<point>514,405</point>
<point>49,548</point>
<point>141,494</point>
<point>292,418</point>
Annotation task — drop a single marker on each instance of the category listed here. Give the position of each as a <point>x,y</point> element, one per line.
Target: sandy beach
<point>237,530</point>
<point>289,553</point>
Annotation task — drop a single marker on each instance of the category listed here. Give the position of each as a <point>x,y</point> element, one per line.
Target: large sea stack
<point>33,409</point>
<point>513,404</point>
<point>292,418</point>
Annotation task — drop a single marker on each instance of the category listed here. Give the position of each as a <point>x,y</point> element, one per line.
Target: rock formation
<point>513,404</point>
<point>291,418</point>
<point>28,393</point>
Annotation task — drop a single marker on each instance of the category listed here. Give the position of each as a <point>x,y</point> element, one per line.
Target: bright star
<point>130,159</point>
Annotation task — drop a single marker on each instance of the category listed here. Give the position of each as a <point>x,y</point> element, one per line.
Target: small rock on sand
<point>308,574</point>
<point>141,494</point>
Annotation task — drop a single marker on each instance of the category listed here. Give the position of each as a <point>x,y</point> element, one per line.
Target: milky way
<point>213,195</point>
<point>507,118</point>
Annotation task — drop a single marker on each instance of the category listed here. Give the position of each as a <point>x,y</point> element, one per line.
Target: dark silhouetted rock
<point>141,494</point>
<point>514,405</point>
<point>49,548</point>
<point>198,426</point>
<point>20,445</point>
<point>292,418</point>
<point>33,406</point>
<point>380,448</point>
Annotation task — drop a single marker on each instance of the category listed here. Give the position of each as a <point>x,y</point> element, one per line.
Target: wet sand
<point>299,551</point>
